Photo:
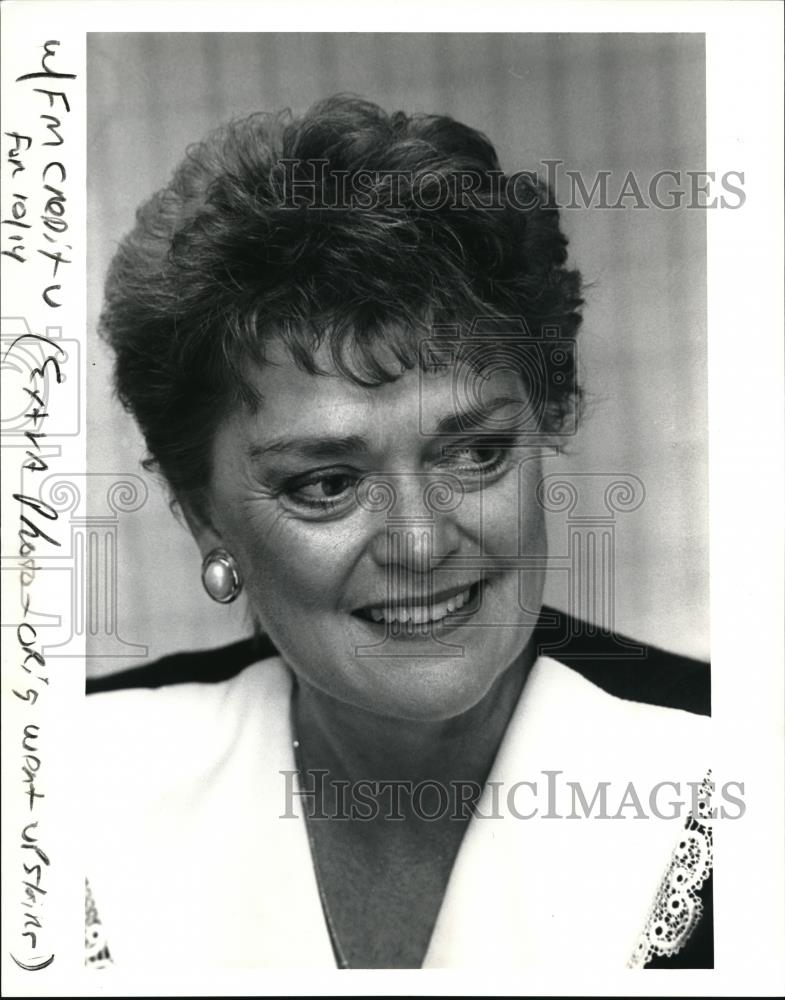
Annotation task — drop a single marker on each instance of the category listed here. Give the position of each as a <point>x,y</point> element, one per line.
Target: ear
<point>196,513</point>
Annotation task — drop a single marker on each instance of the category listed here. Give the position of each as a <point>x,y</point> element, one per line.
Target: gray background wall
<point>597,102</point>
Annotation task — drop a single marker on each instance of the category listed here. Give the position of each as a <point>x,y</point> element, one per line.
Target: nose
<point>418,526</point>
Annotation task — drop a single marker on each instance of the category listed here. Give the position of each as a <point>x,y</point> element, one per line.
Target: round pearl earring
<point>221,576</point>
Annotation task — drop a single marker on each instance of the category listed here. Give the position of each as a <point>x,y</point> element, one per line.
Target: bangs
<point>370,346</point>
<point>369,351</point>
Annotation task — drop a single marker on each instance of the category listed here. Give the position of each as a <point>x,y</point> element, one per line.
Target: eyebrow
<point>316,446</point>
<point>476,419</point>
<point>311,446</point>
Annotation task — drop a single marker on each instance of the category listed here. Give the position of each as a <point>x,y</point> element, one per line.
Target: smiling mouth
<point>450,602</point>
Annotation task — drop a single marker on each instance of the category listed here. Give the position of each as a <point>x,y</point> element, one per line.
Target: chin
<point>430,689</point>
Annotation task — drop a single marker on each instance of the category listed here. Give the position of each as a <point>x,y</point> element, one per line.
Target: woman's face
<point>377,529</point>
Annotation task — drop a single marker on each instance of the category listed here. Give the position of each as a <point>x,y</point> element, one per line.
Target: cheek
<point>511,518</point>
<point>288,562</point>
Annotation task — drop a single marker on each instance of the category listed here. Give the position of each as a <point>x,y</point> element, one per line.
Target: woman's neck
<point>353,744</point>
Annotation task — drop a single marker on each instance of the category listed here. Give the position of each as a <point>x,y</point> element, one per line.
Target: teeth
<point>421,614</point>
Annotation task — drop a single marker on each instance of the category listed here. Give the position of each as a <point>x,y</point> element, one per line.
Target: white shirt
<point>191,863</point>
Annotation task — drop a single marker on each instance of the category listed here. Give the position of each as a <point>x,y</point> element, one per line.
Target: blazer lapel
<point>556,887</point>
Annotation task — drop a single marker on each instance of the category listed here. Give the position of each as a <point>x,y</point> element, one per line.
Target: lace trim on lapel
<point>97,954</point>
<point>677,907</point>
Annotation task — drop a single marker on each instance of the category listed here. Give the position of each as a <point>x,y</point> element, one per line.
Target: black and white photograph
<point>375,495</point>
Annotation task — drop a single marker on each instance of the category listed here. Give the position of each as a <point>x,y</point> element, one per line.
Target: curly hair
<point>329,228</point>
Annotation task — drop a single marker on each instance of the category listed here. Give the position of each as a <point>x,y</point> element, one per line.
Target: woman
<point>331,333</point>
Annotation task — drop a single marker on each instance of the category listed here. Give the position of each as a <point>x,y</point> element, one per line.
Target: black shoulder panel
<point>623,667</point>
<point>206,666</point>
<point>614,663</point>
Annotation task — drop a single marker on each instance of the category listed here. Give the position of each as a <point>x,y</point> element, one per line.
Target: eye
<point>324,491</point>
<point>483,457</point>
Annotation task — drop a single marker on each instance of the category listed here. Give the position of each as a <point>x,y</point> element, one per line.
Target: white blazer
<point>191,863</point>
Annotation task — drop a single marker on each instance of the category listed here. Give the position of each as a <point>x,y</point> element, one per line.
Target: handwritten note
<point>37,244</point>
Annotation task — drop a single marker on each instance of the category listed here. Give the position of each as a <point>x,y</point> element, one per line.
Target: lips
<point>421,610</point>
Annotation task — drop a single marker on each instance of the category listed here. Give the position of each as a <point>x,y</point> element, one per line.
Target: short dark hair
<point>253,238</point>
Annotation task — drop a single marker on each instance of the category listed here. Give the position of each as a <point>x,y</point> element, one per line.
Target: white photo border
<point>745,323</point>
